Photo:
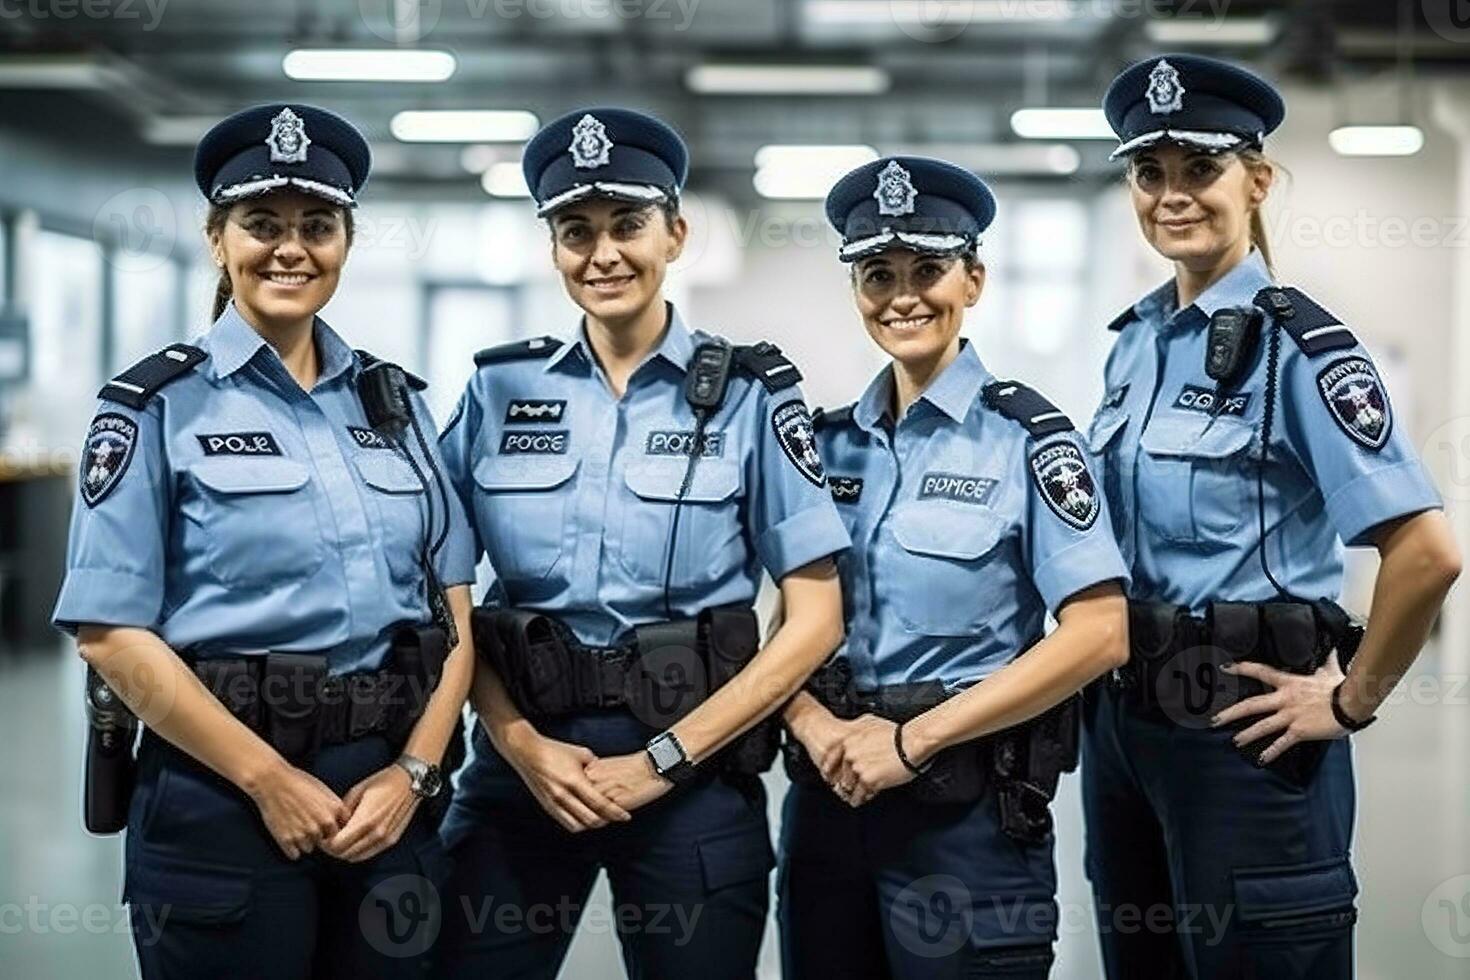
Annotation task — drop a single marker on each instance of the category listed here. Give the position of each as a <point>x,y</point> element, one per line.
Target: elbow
<point>1440,563</point>
<point>92,647</point>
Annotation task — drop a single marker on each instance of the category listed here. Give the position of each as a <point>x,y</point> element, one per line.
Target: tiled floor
<point>59,915</point>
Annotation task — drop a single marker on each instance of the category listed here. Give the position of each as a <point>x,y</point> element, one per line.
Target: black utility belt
<point>660,673</point>
<point>292,702</point>
<point>1024,762</point>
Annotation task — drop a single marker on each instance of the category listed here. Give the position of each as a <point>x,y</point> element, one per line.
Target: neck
<point>912,378</point>
<point>621,344</point>
<point>1191,280</point>
<point>293,342</point>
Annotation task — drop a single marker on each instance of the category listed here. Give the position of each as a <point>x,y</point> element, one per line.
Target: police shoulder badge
<point>288,140</point>
<point>895,193</point>
<point>1356,400</point>
<point>1165,90</point>
<point>793,426</point>
<point>1061,475</point>
<point>106,455</point>
<point>590,145</point>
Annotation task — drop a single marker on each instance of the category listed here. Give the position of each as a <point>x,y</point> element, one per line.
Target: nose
<point>290,250</point>
<point>605,254</point>
<point>904,303</point>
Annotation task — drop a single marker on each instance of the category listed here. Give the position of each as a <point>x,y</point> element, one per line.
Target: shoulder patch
<point>1314,329</point>
<point>367,360</point>
<point>1024,404</point>
<point>1062,478</point>
<point>1122,320</point>
<point>136,386</point>
<point>517,350</point>
<point>792,426</point>
<point>822,419</point>
<point>1357,401</point>
<point>106,455</point>
<point>765,362</point>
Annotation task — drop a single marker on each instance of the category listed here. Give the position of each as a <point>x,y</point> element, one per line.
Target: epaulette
<point>517,350</point>
<point>1122,319</point>
<point>822,418</point>
<point>1313,328</point>
<point>765,362</point>
<point>1024,404</point>
<point>139,383</point>
<point>368,360</point>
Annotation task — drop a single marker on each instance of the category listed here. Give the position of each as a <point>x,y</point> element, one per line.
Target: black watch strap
<point>1343,718</point>
<point>669,759</point>
<point>904,756</point>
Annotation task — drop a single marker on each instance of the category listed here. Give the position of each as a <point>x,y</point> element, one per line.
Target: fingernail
<point>1214,720</point>
<point>1261,761</point>
<point>1228,665</point>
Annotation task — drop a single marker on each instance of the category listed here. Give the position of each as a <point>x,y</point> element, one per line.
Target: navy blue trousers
<point>1204,866</point>
<point>211,895</point>
<point>904,889</point>
<point>689,873</point>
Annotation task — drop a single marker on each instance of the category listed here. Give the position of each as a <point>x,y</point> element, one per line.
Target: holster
<point>1029,760</point>
<point>111,768</point>
<point>291,684</point>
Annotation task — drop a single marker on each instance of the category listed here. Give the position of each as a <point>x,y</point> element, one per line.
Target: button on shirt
<point>957,553</point>
<point>572,490</point>
<point>1180,472</point>
<point>252,516</point>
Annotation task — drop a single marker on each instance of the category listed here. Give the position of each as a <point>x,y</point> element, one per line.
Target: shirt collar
<point>676,346</point>
<point>1238,287</point>
<point>953,392</point>
<point>233,343</point>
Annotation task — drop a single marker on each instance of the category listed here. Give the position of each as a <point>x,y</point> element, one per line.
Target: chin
<point>919,347</point>
<point>613,307</point>
<point>288,309</point>
<point>1192,246</point>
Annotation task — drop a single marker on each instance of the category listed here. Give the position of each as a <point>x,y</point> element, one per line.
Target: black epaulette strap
<point>368,360</point>
<point>1122,320</point>
<point>139,383</point>
<point>765,362</point>
<point>535,347</point>
<point>822,419</point>
<point>1314,329</point>
<point>1026,405</point>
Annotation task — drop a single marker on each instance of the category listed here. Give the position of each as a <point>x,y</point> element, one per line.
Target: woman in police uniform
<point>917,840</point>
<point>251,568</point>
<point>1246,437</point>
<point>628,482</point>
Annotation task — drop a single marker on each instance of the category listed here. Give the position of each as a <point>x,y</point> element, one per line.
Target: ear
<point>1262,177</point>
<point>678,235</point>
<point>974,284</point>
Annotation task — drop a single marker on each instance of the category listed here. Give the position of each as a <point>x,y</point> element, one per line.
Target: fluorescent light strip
<point>1201,30</point>
<point>505,179</point>
<point>1376,141</point>
<point>999,159</point>
<point>464,125</point>
<point>938,13</point>
<point>1061,124</point>
<point>349,65</point>
<point>787,80</point>
<point>814,156</point>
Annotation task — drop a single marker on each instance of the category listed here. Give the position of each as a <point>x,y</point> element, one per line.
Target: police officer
<point>1246,437</point>
<point>917,838</point>
<point>255,551</point>
<point>629,484</point>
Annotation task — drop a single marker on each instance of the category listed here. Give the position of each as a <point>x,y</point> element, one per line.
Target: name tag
<point>845,489</point>
<point>953,486</point>
<point>666,443</point>
<point>368,438</point>
<point>1197,399</point>
<point>533,411</point>
<point>239,444</point>
<point>541,443</point>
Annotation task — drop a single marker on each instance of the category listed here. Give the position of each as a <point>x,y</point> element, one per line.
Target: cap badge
<point>1165,90</point>
<point>288,140</point>
<point>895,194</point>
<point>590,145</point>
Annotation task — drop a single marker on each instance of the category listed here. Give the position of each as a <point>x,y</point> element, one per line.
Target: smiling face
<point>1195,207</point>
<point>283,253</point>
<point>913,304</point>
<point>613,255</point>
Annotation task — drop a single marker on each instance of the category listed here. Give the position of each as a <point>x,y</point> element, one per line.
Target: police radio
<point>110,767</point>
<point>1234,332</point>
<point>704,390</point>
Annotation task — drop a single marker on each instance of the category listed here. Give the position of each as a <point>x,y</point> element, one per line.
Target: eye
<point>630,226</point>
<point>931,272</point>
<point>571,233</point>
<point>318,229</point>
<point>262,228</point>
<point>877,276</point>
<point>1203,169</point>
<point>1148,173</point>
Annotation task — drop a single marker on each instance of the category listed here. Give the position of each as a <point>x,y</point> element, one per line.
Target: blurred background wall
<point>101,102</point>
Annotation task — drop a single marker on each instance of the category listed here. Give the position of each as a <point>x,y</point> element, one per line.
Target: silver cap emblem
<point>1165,90</point>
<point>288,140</point>
<point>590,145</point>
<point>895,193</point>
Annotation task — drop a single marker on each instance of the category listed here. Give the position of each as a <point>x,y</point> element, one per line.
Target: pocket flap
<point>1104,428</point>
<point>191,890</point>
<point>733,858</point>
<point>945,530</point>
<point>497,474</point>
<point>1203,437</point>
<point>388,472</point>
<point>261,475</point>
<point>659,479</point>
<point>1262,894</point>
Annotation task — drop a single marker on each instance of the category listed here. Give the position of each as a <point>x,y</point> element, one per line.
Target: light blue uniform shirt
<point>248,515</point>
<point>571,490</point>
<point>958,550</point>
<point>1181,479</point>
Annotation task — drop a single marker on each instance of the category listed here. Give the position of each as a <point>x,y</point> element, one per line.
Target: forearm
<point>498,714</point>
<point>1420,564</point>
<point>1083,647</point>
<point>167,697</point>
<point>431,735</point>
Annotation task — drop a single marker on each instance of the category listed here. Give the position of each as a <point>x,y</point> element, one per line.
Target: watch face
<point>431,782</point>
<point>665,753</point>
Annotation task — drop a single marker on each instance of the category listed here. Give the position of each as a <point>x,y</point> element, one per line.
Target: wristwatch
<point>669,758</point>
<point>1343,718</point>
<point>425,779</point>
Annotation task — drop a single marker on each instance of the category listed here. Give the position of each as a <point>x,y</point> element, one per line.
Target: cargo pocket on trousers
<point>1016,963</point>
<point>1295,916</point>
<point>736,858</point>
<point>167,889</point>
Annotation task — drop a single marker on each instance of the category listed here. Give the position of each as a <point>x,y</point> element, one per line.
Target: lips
<point>909,323</point>
<point>608,283</point>
<point>291,279</point>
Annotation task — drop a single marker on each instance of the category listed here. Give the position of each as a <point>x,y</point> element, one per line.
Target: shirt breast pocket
<point>520,509</point>
<point>951,574</point>
<point>398,502</point>
<point>1104,438</point>
<point>258,521</point>
<point>1195,480</point>
<point>711,536</point>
